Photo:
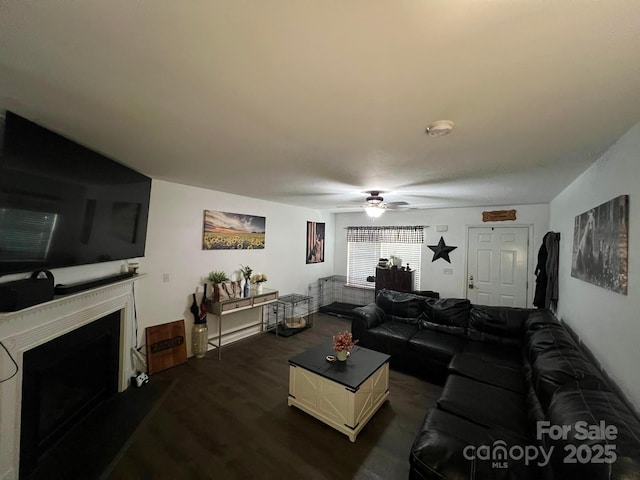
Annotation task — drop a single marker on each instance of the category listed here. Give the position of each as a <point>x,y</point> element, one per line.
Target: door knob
<point>470,282</point>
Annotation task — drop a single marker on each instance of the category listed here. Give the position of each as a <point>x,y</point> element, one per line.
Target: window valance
<point>371,234</point>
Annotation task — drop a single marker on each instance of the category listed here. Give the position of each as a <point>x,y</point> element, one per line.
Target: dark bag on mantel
<point>21,294</point>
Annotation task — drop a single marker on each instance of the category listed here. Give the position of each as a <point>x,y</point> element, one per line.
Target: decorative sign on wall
<point>232,231</point>
<point>600,245</point>
<point>498,215</point>
<point>441,251</point>
<point>315,242</point>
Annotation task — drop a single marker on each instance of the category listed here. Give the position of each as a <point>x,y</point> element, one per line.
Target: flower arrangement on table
<point>246,272</point>
<point>258,278</point>
<point>342,343</point>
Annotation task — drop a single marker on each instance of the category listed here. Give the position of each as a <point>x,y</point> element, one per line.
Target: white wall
<point>174,239</point>
<point>607,322</point>
<point>457,220</point>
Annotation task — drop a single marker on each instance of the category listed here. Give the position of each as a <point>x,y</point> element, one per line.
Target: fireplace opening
<point>63,380</point>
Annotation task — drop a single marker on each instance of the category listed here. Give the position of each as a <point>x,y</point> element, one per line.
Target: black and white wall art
<point>600,245</point>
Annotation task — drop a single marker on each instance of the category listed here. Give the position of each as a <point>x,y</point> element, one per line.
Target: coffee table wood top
<point>352,373</point>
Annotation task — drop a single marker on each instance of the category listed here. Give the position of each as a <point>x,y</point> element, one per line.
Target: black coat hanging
<point>546,292</point>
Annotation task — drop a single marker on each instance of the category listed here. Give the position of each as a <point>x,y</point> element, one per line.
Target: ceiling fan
<point>375,205</point>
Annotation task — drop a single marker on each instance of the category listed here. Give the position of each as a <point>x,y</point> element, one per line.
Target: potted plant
<point>342,343</point>
<point>218,278</point>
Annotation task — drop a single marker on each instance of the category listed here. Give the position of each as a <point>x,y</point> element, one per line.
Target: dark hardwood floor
<point>229,419</point>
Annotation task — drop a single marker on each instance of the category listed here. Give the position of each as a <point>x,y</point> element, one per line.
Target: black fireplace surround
<point>512,377</point>
<point>63,380</point>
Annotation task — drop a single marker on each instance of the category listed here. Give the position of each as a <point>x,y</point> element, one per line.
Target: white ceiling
<point>312,102</point>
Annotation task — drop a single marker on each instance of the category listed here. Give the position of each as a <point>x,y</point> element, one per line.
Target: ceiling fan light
<point>374,211</point>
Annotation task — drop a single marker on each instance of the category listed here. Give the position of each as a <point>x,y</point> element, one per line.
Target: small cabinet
<point>394,279</point>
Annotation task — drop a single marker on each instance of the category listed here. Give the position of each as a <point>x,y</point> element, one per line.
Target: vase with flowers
<point>258,279</point>
<point>246,273</point>
<point>342,343</point>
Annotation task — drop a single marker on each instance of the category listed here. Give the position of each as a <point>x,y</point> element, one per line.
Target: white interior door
<point>497,266</point>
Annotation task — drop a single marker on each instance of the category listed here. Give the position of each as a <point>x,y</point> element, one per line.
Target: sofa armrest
<point>365,318</point>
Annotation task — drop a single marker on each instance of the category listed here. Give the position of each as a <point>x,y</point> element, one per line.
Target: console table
<point>233,305</point>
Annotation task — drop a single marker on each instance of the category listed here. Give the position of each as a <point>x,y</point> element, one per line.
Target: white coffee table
<point>344,395</point>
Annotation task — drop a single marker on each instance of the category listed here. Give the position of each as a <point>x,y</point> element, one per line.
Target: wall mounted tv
<point>62,204</point>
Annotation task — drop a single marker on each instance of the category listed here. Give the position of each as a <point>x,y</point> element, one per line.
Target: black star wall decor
<point>441,251</point>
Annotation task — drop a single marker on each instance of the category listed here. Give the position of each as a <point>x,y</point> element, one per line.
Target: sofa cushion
<point>487,405</point>
<point>438,451</point>
<point>558,366</point>
<point>371,314</point>
<point>476,368</point>
<point>503,325</point>
<point>434,344</point>
<point>540,319</point>
<point>579,406</point>
<point>365,318</point>
<point>535,412</point>
<point>506,355</point>
<point>390,337</point>
<point>450,315</point>
<point>549,337</point>
<point>401,307</point>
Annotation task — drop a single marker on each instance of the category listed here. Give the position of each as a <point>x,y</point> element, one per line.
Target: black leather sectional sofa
<point>521,398</point>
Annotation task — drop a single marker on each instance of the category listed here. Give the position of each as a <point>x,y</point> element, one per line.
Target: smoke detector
<point>439,128</point>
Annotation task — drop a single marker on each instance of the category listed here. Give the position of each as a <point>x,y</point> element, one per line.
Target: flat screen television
<point>62,204</point>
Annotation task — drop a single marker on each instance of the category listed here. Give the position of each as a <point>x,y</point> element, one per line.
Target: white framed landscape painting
<point>232,231</point>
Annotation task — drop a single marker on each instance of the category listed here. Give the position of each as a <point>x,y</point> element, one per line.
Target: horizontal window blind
<point>409,253</point>
<point>365,246</point>
<point>362,259</point>
<point>26,235</point>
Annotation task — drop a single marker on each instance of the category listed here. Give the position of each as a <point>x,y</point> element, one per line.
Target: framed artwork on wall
<point>232,231</point>
<point>315,242</point>
<point>600,245</point>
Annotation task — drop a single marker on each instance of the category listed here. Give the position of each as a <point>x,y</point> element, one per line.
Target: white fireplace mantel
<point>25,329</point>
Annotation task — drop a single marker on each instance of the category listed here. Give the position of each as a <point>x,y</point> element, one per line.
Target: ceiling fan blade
<point>394,205</point>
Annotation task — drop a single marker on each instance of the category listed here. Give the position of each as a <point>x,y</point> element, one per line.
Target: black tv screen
<point>62,204</point>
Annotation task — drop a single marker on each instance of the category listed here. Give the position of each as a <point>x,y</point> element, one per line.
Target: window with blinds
<point>366,245</point>
<point>26,235</point>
